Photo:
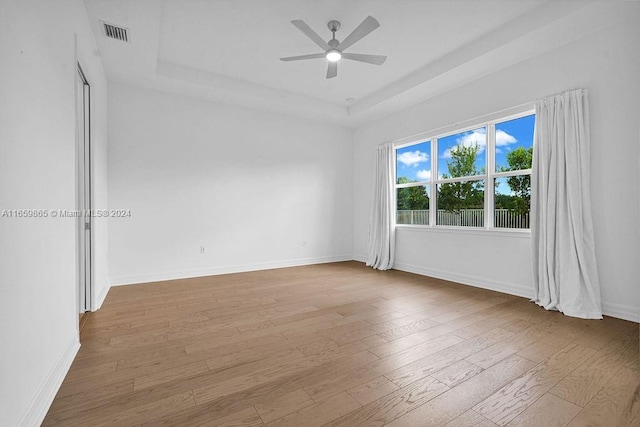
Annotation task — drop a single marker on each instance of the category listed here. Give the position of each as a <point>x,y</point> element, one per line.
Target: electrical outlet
<point>304,243</point>
<point>203,250</point>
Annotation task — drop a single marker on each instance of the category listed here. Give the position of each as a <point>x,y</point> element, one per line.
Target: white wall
<point>248,186</point>
<point>38,305</point>
<point>608,64</point>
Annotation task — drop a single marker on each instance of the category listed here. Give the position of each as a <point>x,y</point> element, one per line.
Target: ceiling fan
<point>334,49</point>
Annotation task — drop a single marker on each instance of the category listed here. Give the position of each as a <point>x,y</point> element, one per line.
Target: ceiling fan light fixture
<point>332,49</point>
<point>333,55</point>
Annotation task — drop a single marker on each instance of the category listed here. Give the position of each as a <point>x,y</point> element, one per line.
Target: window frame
<point>488,177</point>
<point>397,186</point>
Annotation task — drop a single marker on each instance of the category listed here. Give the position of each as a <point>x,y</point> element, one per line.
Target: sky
<point>414,162</point>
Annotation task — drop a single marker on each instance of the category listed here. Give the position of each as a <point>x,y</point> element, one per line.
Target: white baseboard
<point>100,297</point>
<point>130,280</point>
<point>621,311</point>
<point>37,409</point>
<point>478,282</point>
<point>361,258</point>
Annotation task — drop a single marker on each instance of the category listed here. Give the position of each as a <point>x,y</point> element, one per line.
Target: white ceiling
<point>229,50</point>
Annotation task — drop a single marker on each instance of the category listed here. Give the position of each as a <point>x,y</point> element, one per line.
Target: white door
<point>84,224</point>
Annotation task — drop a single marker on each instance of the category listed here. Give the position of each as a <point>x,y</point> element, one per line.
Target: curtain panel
<point>382,232</point>
<point>565,274</point>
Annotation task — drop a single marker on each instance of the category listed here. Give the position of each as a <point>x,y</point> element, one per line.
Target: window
<point>413,175</point>
<point>461,199</point>
<point>454,179</point>
<point>512,172</point>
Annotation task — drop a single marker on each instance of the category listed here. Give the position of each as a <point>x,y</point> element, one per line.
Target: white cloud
<point>413,158</point>
<point>503,138</point>
<point>478,138</point>
<point>423,175</point>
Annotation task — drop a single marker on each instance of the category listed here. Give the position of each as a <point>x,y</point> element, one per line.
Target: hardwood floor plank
<point>319,414</point>
<point>457,373</point>
<point>228,346</point>
<point>325,389</point>
<point>77,373</point>
<point>408,329</point>
<point>247,381</point>
<point>585,382</point>
<point>539,351</point>
<point>435,362</point>
<point>245,418</point>
<point>514,398</point>
<point>267,391</point>
<point>316,347</point>
<point>468,309</point>
<point>284,405</point>
<point>469,419</point>
<point>372,390</point>
<point>461,398</point>
<point>121,414</point>
<point>167,375</point>
<point>549,411</point>
<point>485,323</point>
<point>388,408</point>
<point>495,353</point>
<point>388,348</point>
<point>618,404</point>
<point>65,406</point>
<point>147,412</point>
<point>238,367</point>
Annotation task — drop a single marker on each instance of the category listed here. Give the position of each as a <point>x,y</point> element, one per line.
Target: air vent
<point>115,32</point>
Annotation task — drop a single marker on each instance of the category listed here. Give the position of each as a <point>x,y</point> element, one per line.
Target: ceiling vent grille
<point>115,32</point>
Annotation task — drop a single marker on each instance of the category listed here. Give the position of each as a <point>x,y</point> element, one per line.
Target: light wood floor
<point>342,344</point>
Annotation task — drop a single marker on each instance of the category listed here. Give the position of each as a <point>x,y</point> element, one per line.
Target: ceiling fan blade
<point>369,59</point>
<point>368,25</point>
<point>300,57</point>
<point>302,26</point>
<point>332,70</point>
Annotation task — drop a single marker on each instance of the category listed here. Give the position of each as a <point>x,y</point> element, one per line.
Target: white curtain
<point>564,263</point>
<point>382,231</point>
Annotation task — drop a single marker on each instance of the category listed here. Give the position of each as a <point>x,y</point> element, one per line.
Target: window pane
<point>413,163</point>
<point>512,201</point>
<point>514,144</point>
<point>413,205</point>
<point>461,204</point>
<point>462,154</point>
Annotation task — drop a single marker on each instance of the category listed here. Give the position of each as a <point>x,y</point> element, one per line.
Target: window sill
<point>514,233</point>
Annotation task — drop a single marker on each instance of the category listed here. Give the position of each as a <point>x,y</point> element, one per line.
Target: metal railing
<point>503,218</point>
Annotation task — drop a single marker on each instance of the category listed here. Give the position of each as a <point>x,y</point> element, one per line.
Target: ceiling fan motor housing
<point>333,25</point>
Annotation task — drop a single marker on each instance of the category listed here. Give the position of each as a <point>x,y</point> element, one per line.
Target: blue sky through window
<point>414,162</point>
<point>511,135</point>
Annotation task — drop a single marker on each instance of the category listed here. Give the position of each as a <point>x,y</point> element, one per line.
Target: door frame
<point>84,186</point>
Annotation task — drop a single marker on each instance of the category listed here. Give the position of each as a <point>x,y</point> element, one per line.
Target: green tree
<point>462,195</point>
<point>463,161</point>
<point>520,185</point>
<point>412,198</point>
<point>504,201</point>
